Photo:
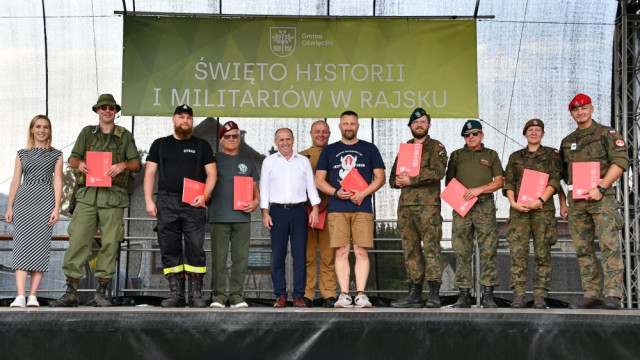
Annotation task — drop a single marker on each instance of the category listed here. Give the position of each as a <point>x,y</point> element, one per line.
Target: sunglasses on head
<point>474,133</point>
<point>232,136</point>
<point>107,107</point>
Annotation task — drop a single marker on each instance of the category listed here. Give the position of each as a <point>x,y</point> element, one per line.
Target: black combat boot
<point>413,300</point>
<point>434,295</point>
<point>176,291</point>
<point>195,291</point>
<point>464,300</point>
<point>70,296</point>
<point>100,297</point>
<point>487,297</point>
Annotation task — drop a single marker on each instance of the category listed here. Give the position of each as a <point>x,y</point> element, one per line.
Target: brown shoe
<point>539,303</point>
<point>588,303</point>
<point>518,302</point>
<point>281,302</point>
<point>612,303</point>
<point>298,302</point>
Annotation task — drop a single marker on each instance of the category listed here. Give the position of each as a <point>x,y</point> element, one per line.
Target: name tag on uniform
<point>573,146</point>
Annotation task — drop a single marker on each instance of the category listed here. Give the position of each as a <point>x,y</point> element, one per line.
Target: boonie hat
<point>579,100</point>
<point>532,122</point>
<point>470,125</point>
<point>228,126</point>
<point>416,114</point>
<point>183,108</point>
<point>105,99</point>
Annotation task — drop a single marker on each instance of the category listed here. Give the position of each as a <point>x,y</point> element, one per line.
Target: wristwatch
<point>601,189</point>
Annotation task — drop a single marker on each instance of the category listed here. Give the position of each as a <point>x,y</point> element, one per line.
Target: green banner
<point>309,67</point>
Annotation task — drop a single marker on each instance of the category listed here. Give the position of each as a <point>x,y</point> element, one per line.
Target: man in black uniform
<point>175,158</point>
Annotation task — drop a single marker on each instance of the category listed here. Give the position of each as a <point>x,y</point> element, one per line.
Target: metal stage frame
<point>626,119</point>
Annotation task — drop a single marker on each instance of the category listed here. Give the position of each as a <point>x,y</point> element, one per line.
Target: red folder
<point>99,163</point>
<point>586,176</point>
<point>242,191</point>
<point>453,195</point>
<point>353,181</point>
<point>409,158</point>
<point>191,189</point>
<point>322,217</point>
<point>532,186</point>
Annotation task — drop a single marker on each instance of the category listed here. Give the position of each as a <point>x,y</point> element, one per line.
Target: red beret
<point>579,100</point>
<point>228,126</point>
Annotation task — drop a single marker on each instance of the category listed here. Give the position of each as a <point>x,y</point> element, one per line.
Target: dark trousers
<point>289,224</point>
<point>176,219</point>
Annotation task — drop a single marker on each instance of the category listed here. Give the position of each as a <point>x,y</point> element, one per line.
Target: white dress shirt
<point>285,181</point>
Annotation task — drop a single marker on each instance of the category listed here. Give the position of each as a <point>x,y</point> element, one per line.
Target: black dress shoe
<point>329,302</point>
<point>308,302</point>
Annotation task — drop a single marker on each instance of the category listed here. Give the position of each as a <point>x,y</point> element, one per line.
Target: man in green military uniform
<point>101,207</point>
<point>535,216</point>
<point>597,214</point>
<point>419,219</point>
<point>479,170</point>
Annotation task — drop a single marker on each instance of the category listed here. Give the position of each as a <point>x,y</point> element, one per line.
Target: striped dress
<point>32,208</point>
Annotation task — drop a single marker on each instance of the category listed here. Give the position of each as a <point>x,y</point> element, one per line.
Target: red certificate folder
<point>532,186</point>
<point>191,189</point>
<point>322,217</point>
<point>586,176</point>
<point>242,191</point>
<point>353,181</point>
<point>409,158</point>
<point>453,195</point>
<point>99,163</point>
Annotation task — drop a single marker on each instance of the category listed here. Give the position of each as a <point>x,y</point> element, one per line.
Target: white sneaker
<point>362,301</point>
<point>18,302</point>
<point>239,302</point>
<point>217,305</point>
<point>32,301</point>
<point>344,301</point>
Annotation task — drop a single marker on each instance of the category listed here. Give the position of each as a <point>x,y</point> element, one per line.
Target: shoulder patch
<point>619,143</point>
<point>440,146</point>
<point>612,132</point>
<point>555,151</point>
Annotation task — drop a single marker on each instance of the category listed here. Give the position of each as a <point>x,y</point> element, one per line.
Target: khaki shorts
<point>343,226</point>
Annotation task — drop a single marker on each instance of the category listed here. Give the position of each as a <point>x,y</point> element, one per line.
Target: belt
<point>287,206</point>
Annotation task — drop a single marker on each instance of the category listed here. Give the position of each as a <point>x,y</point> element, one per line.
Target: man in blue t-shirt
<point>350,213</point>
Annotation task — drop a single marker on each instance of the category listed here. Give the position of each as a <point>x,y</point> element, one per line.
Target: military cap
<point>579,100</point>
<point>228,126</point>
<point>470,125</point>
<point>532,122</point>
<point>182,109</point>
<point>105,99</point>
<point>416,114</point>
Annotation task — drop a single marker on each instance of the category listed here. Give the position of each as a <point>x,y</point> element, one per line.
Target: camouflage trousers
<point>421,227</point>
<point>481,219</point>
<point>542,225</point>
<point>600,218</point>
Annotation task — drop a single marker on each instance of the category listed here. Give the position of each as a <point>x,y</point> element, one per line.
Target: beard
<point>349,135</point>
<point>183,134</point>
<point>419,134</point>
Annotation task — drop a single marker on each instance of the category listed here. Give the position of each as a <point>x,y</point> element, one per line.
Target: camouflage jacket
<point>597,143</point>
<point>545,159</point>
<point>425,188</point>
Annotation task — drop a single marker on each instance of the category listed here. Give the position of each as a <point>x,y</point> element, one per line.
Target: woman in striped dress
<point>33,207</point>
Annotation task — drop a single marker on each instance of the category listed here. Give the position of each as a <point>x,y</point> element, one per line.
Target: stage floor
<point>148,332</point>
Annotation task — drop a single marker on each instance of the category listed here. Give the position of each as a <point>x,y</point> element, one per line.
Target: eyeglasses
<point>107,107</point>
<point>232,136</point>
<point>474,133</point>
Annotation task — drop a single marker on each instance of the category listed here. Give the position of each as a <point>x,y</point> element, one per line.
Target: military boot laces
<point>195,291</point>
<point>413,300</point>
<point>100,297</point>
<point>176,291</point>
<point>434,295</point>
<point>464,300</point>
<point>487,297</point>
<point>70,296</point>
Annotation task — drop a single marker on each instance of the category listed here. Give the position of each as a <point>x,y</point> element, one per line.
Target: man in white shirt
<point>286,181</point>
